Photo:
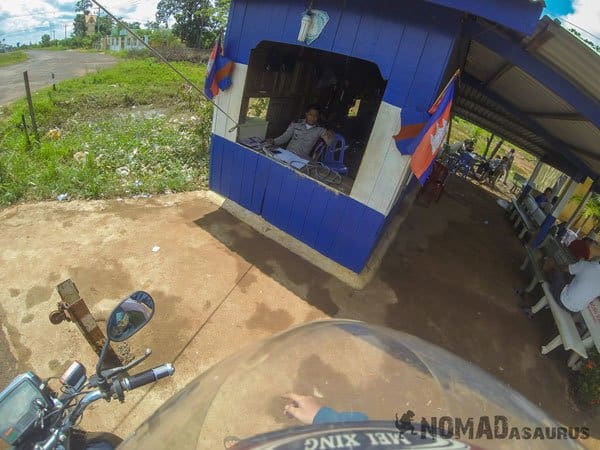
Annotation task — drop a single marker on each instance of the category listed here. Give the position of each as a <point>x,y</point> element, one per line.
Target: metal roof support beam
<point>539,39</point>
<point>514,14</point>
<point>513,52</point>
<point>495,77</point>
<point>533,126</point>
<point>488,124</point>
<point>575,117</point>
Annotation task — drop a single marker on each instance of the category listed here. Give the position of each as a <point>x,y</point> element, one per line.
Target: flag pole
<point>163,59</point>
<point>456,74</point>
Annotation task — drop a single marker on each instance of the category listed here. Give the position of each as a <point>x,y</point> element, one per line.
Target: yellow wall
<point>572,205</point>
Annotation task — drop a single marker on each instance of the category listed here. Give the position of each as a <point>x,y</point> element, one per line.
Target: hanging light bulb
<point>305,25</point>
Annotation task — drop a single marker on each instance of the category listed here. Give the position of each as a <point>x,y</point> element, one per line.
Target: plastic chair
<point>333,157</point>
<point>435,184</point>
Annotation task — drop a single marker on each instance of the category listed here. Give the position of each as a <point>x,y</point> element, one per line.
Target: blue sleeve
<point>328,415</point>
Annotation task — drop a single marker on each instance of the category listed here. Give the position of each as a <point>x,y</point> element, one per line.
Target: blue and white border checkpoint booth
<point>375,68</point>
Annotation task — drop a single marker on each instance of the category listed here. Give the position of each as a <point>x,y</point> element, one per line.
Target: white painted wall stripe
<point>382,174</point>
<point>231,102</point>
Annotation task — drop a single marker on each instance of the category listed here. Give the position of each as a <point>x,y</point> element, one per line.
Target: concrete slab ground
<point>448,278</point>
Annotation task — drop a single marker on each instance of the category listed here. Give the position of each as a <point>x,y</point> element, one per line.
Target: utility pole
<point>65,32</point>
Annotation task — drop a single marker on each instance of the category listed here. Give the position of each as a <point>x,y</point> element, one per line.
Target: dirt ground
<point>42,64</point>
<point>449,278</point>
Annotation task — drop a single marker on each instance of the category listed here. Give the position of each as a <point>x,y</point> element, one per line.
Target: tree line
<point>197,23</point>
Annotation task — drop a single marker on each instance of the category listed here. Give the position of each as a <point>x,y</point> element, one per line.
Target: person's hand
<point>269,141</point>
<point>302,407</point>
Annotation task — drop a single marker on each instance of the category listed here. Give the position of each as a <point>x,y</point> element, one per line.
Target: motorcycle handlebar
<point>147,377</point>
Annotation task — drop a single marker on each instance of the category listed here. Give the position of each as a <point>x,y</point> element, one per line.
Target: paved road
<point>41,64</point>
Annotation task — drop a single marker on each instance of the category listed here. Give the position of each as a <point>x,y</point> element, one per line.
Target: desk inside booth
<point>312,169</point>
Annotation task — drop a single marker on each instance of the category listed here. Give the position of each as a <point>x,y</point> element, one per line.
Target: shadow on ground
<point>449,278</point>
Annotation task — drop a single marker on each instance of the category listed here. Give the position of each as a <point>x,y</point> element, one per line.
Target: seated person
<point>488,168</point>
<point>302,136</point>
<point>548,206</point>
<point>544,198</point>
<point>574,286</point>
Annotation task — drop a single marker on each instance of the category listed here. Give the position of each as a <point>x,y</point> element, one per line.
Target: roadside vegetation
<point>134,129</point>
<point>15,57</point>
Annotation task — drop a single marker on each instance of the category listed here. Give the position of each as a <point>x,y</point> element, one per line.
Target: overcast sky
<point>27,20</point>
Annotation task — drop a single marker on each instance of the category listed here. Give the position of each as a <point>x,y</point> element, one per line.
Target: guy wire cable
<point>163,59</point>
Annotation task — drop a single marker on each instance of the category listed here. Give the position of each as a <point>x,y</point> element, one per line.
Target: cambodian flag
<point>218,72</point>
<point>424,142</point>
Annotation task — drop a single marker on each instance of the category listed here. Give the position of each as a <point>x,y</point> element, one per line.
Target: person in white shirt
<point>576,285</point>
<point>300,137</point>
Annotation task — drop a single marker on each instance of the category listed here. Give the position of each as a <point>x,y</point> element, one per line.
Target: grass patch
<point>6,59</point>
<point>128,130</point>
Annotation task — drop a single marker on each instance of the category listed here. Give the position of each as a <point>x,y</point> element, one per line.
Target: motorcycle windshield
<point>382,389</point>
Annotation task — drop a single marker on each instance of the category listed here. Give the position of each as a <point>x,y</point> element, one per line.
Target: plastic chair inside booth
<point>333,157</point>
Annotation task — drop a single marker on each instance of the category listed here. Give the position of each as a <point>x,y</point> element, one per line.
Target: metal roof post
<point>536,172</point>
<point>530,183</point>
<point>556,189</point>
<point>566,197</point>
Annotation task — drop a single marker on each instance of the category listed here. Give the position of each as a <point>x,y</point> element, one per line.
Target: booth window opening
<point>283,80</point>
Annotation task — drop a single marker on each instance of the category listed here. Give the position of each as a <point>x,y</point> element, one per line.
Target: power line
<point>562,19</point>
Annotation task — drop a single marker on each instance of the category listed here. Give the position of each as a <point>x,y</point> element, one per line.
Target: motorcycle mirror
<point>130,316</point>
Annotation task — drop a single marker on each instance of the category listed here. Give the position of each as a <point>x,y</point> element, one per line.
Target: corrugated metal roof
<point>536,118</point>
<point>528,94</point>
<point>573,58</point>
<point>482,63</point>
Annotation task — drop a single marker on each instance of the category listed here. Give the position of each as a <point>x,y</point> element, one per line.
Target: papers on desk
<point>281,154</point>
<point>290,158</point>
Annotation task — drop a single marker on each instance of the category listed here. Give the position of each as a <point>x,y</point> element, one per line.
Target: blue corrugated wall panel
<point>235,187</point>
<point>332,223</point>
<point>274,183</point>
<point>410,41</point>
<point>343,249</point>
<point>317,209</point>
<point>304,193</point>
<point>248,176</point>
<point>285,203</point>
<point>226,169</point>
<point>367,234</point>
<point>346,33</point>
<point>261,178</point>
<point>216,159</point>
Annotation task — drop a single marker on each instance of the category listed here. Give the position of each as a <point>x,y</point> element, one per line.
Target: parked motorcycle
<point>34,416</point>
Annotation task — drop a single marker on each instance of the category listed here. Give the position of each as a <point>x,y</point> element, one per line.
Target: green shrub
<point>588,380</point>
